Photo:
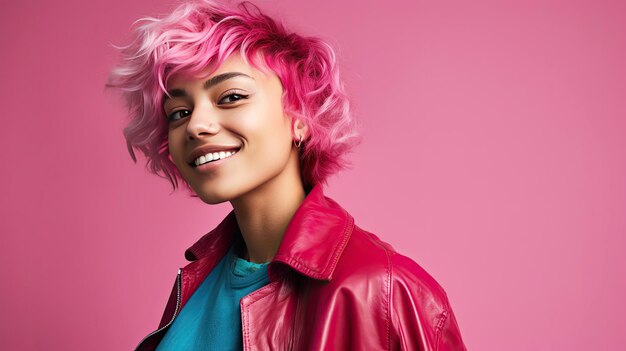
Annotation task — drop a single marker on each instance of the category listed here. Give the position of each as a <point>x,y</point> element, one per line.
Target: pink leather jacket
<point>333,286</point>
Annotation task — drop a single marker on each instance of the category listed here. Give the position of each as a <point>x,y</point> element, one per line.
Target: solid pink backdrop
<point>493,155</point>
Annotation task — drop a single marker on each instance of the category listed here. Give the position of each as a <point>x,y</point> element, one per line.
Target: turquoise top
<point>211,319</point>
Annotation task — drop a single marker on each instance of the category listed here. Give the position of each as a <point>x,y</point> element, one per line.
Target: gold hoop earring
<point>299,142</point>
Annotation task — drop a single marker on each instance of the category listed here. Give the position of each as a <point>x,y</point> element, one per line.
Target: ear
<point>300,129</point>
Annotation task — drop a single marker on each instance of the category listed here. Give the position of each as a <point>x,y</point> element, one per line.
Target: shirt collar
<point>312,244</point>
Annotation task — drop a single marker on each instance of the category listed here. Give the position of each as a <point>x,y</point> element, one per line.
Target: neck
<point>264,213</point>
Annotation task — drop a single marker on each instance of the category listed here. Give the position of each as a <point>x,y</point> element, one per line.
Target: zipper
<point>178,296</point>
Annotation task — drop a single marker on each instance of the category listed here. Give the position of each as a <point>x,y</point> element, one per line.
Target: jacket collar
<point>312,244</point>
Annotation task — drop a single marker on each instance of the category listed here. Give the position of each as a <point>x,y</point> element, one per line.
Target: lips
<point>203,150</point>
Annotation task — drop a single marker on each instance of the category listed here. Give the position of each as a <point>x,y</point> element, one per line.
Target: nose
<point>202,122</point>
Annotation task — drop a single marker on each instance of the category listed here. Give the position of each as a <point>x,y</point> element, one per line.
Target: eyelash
<point>170,117</point>
<point>234,93</point>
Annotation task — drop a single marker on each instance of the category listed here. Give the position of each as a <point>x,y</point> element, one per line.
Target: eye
<point>176,115</point>
<point>232,98</point>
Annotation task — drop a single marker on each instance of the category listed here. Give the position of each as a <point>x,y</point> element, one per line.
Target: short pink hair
<point>202,34</point>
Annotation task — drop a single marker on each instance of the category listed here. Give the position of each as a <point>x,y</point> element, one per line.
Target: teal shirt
<point>211,319</point>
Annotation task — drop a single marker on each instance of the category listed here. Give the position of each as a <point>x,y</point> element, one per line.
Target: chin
<point>213,193</point>
<point>222,188</point>
<point>212,201</point>
<point>214,197</point>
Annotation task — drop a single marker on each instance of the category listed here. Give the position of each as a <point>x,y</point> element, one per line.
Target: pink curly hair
<point>202,34</point>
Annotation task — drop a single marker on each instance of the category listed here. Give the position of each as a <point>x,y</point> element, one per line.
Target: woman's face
<point>237,110</point>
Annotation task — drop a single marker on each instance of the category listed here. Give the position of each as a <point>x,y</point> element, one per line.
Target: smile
<point>213,156</point>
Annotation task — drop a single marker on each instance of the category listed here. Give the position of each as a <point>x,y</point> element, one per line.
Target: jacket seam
<point>388,312</point>
<point>344,239</point>
<point>246,333</point>
<point>336,253</point>
<point>301,265</point>
<point>439,327</point>
<point>388,289</point>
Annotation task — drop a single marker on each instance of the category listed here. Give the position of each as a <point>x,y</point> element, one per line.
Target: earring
<point>299,142</point>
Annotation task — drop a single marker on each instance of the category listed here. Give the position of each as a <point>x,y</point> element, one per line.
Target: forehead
<point>233,64</point>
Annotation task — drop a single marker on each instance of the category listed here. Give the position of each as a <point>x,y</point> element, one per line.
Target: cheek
<point>272,136</point>
<point>175,145</point>
<point>267,132</point>
<point>267,121</point>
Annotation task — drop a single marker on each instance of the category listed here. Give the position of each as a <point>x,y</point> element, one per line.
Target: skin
<point>262,181</point>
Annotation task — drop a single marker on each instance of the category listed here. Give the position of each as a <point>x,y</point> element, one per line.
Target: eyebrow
<point>211,82</point>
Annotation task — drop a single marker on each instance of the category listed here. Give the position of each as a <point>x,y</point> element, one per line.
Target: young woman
<point>229,102</point>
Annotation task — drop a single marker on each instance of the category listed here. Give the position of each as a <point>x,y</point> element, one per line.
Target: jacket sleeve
<point>420,313</point>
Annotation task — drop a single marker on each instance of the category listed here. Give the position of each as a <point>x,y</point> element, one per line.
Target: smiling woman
<point>241,110</point>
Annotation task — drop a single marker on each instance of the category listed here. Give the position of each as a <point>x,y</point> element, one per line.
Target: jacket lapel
<point>315,237</point>
<point>312,244</point>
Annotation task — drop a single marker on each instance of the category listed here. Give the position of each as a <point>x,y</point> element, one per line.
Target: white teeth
<point>214,156</point>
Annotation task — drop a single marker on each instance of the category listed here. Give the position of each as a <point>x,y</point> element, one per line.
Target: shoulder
<point>413,301</point>
<point>366,251</point>
<point>367,257</point>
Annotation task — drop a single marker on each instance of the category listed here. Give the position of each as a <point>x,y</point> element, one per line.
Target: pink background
<point>493,155</point>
